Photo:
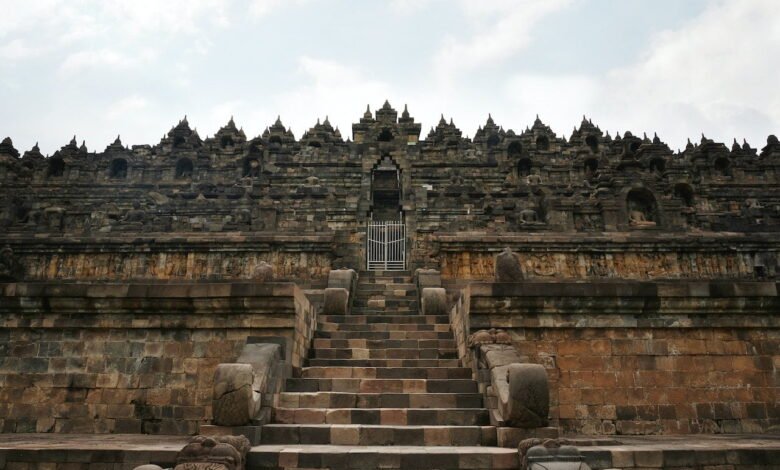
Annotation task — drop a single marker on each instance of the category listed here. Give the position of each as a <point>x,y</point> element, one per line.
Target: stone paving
<point>86,451</point>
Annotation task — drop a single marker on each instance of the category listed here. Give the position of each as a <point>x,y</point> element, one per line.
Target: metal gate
<point>386,246</point>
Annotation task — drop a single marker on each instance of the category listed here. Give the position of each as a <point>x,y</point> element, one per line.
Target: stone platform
<point>125,451</point>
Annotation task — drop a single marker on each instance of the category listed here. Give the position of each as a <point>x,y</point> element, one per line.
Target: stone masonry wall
<point>130,358</point>
<point>165,257</point>
<point>645,358</point>
<point>659,381</point>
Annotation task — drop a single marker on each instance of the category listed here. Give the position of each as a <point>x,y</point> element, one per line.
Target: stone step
<point>372,288</point>
<point>363,334</point>
<point>378,435</point>
<point>383,362</point>
<point>379,400</point>
<point>382,301</point>
<point>337,457</point>
<point>388,353</point>
<point>384,416</point>
<point>395,319</point>
<point>384,311</point>
<point>381,385</point>
<point>324,326</point>
<point>319,343</point>
<point>334,372</point>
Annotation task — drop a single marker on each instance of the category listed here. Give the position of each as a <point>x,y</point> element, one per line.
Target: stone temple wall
<point>533,183</point>
<point>131,358</point>
<point>644,358</point>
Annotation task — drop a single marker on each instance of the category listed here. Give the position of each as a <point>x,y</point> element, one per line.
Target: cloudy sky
<point>98,68</point>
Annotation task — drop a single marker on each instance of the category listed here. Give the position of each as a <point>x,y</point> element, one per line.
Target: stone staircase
<point>383,387</point>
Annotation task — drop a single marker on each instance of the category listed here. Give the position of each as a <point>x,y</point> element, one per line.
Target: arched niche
<point>56,168</point>
<point>591,166</point>
<point>514,149</point>
<point>493,140</point>
<point>386,135</point>
<point>226,141</point>
<point>633,147</point>
<point>722,166</point>
<point>251,168</point>
<point>179,141</point>
<point>386,190</point>
<point>684,192</point>
<point>184,168</point>
<point>524,166</point>
<point>315,144</point>
<point>642,208</point>
<point>592,142</point>
<point>275,142</point>
<point>118,169</point>
<point>657,165</point>
<point>542,143</point>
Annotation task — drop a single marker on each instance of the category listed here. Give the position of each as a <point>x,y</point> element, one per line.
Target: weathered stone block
<point>523,394</point>
<point>336,301</point>
<point>234,399</point>
<point>434,301</point>
<point>508,267</point>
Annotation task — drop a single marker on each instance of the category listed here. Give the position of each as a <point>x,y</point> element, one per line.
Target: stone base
<point>511,437</point>
<point>252,433</point>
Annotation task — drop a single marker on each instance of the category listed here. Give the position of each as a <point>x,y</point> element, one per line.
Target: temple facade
<point>632,285</point>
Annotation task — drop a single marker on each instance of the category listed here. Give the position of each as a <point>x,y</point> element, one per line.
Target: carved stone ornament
<point>213,453</point>
<point>492,336</point>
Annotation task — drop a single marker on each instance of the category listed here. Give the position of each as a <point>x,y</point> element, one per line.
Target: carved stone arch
<point>657,165</point>
<point>684,193</point>
<point>226,141</point>
<point>251,166</point>
<point>117,169</point>
<point>56,167</point>
<point>640,207</point>
<point>524,167</point>
<point>542,143</point>
<point>185,169</point>
<point>592,141</point>
<point>386,189</point>
<point>722,165</point>
<point>493,140</point>
<point>385,135</point>
<point>590,166</point>
<point>514,150</point>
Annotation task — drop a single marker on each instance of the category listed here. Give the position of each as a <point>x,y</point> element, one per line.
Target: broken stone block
<point>523,394</point>
<point>239,387</point>
<point>234,401</point>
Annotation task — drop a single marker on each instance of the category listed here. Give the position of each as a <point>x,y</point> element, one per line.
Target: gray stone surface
<point>434,301</point>
<point>239,387</point>
<point>336,301</point>
<point>508,267</point>
<point>523,394</point>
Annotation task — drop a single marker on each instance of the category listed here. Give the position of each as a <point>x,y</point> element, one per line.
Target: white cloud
<point>557,99</point>
<point>17,49</point>
<point>715,74</point>
<point>503,28</point>
<point>259,8</point>
<point>102,59</point>
<point>127,106</point>
<point>333,89</point>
